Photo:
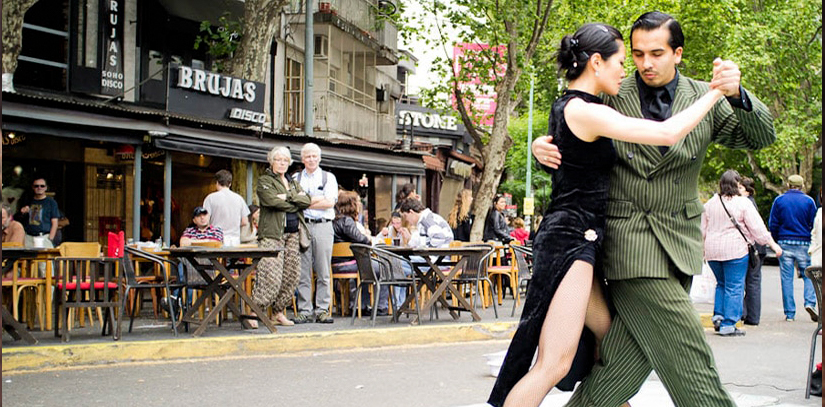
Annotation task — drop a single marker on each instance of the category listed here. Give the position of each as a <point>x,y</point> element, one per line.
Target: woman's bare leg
<point>559,338</point>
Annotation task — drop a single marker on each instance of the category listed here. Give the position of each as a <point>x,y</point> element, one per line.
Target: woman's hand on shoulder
<point>546,152</point>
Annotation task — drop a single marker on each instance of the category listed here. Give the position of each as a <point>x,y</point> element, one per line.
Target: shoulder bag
<point>753,255</point>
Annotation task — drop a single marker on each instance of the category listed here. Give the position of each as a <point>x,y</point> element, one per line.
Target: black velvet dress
<point>572,229</point>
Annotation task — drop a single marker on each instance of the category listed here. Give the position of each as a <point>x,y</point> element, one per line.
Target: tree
<point>780,44</point>
<point>519,156</point>
<point>509,33</point>
<point>13,12</point>
<point>243,54</point>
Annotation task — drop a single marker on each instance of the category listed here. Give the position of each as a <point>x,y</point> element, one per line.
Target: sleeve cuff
<point>742,102</point>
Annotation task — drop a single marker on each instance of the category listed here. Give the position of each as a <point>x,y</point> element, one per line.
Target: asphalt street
<point>765,368</point>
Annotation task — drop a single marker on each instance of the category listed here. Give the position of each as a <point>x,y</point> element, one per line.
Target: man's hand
<point>546,152</point>
<point>24,209</point>
<point>726,77</point>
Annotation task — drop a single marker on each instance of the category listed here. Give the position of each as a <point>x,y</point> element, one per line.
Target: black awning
<point>254,149</point>
<point>131,130</point>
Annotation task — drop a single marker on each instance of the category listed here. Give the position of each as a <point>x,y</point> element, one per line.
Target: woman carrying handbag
<point>730,225</point>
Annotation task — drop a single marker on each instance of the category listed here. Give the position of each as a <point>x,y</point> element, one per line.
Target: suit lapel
<point>632,106</point>
<point>685,95</point>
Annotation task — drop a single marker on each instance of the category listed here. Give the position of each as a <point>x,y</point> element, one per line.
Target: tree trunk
<point>261,21</point>
<point>13,12</point>
<point>494,154</point>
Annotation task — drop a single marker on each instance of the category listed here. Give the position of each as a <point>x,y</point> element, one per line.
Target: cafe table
<point>11,325</point>
<point>437,280</point>
<point>223,283</point>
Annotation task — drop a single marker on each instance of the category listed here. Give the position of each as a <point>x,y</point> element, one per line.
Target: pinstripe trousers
<point>656,327</point>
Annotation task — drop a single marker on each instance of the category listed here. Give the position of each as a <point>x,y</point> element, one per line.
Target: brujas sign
<point>208,94</point>
<point>111,72</point>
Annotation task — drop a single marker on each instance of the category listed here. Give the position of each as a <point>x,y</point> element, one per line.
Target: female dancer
<point>562,299</point>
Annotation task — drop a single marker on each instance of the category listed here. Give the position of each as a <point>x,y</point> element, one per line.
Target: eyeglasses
<point>39,185</point>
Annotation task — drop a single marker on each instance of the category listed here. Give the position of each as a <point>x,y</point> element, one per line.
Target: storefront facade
<point>450,165</point>
<point>157,112</point>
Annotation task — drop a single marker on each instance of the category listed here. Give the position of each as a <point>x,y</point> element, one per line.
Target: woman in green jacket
<point>282,203</point>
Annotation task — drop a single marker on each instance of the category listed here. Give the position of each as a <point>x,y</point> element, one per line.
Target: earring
<point>597,73</point>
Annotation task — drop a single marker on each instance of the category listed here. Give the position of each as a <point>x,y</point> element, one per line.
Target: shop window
<point>109,178</point>
<point>155,67</point>
<point>43,59</point>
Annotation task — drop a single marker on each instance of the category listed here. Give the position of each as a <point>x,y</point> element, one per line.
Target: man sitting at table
<point>433,230</point>
<point>201,230</point>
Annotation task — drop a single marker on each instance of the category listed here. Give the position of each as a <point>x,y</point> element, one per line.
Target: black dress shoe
<point>382,312</point>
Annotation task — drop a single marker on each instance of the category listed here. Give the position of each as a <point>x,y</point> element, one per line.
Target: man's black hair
<point>652,20</point>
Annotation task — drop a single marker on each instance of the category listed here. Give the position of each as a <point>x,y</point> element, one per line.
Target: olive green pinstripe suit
<point>652,247</point>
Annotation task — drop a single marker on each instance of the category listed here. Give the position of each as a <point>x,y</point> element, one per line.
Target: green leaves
<point>220,41</point>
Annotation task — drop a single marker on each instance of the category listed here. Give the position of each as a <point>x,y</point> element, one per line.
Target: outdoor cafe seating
<point>166,283</point>
<point>388,273</point>
<point>85,283</point>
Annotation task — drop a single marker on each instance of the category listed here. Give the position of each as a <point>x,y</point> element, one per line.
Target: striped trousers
<point>656,327</point>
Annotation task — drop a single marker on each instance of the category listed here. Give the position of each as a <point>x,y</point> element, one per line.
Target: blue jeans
<point>730,288</point>
<point>795,254</point>
<point>400,293</point>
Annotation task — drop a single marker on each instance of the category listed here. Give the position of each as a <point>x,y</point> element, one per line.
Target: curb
<point>705,317</point>
<point>25,359</point>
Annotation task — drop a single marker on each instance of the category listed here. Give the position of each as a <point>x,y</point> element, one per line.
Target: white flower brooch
<point>590,235</point>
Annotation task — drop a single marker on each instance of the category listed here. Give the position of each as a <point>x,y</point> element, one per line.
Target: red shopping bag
<point>115,246</point>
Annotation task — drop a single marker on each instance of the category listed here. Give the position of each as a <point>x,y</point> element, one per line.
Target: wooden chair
<point>497,272</point>
<point>21,280</point>
<point>85,282</point>
<point>81,249</point>
<point>341,249</point>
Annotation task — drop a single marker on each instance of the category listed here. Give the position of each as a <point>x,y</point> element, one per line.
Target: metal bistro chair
<point>132,282</point>
<point>815,274</point>
<point>474,272</point>
<point>387,274</point>
<point>525,273</point>
<point>85,282</point>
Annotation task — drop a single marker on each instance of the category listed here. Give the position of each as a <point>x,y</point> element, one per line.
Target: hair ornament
<point>574,42</point>
<point>575,64</point>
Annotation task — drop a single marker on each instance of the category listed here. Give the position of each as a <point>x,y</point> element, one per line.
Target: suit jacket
<point>653,211</point>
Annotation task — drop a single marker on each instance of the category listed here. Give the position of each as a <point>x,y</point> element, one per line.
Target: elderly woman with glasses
<point>282,204</point>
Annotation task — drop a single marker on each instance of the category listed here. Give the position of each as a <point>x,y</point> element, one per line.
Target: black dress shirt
<point>656,102</point>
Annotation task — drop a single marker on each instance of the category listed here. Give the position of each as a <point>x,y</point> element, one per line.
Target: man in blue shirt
<point>791,221</point>
<point>41,215</point>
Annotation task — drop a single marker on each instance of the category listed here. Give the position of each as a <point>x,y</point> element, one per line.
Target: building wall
<point>131,58</point>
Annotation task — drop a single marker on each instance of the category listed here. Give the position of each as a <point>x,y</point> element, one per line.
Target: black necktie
<point>659,108</point>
